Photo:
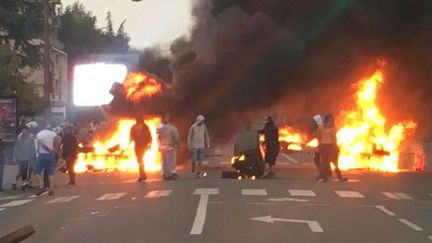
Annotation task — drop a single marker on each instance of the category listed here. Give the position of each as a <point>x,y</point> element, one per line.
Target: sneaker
<point>51,193</point>
<point>343,179</point>
<point>270,175</point>
<point>41,191</point>
<point>14,186</point>
<point>174,176</point>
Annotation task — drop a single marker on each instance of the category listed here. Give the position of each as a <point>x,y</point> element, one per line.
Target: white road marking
<point>158,193</point>
<point>16,203</point>
<point>385,210</point>
<point>1,209</point>
<point>259,203</point>
<point>410,224</point>
<point>313,225</point>
<point>288,199</point>
<point>205,162</point>
<point>397,195</point>
<point>62,199</point>
<point>290,158</point>
<point>9,198</point>
<point>111,196</point>
<point>225,162</point>
<point>430,194</point>
<point>302,193</point>
<point>316,204</point>
<point>349,194</point>
<point>430,237</point>
<point>254,192</point>
<point>200,216</point>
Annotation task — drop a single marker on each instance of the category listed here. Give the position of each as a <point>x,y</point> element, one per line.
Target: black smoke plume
<point>297,57</point>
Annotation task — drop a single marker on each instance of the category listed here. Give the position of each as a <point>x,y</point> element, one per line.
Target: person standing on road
<point>24,152</point>
<point>48,143</point>
<point>272,145</point>
<point>328,149</point>
<point>198,140</point>
<point>141,136</point>
<point>70,151</point>
<point>169,141</point>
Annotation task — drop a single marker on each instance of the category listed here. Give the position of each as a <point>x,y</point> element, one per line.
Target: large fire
<point>294,139</point>
<point>113,150</point>
<point>365,140</point>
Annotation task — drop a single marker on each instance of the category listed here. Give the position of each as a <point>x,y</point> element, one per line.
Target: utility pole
<point>46,59</point>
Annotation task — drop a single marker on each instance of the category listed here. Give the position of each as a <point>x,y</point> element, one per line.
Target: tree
<point>109,27</point>
<point>12,83</point>
<point>20,22</point>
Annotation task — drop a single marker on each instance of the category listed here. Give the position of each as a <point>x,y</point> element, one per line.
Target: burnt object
<point>114,148</point>
<point>248,159</point>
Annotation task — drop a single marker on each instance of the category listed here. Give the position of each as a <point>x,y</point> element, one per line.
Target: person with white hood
<point>198,140</point>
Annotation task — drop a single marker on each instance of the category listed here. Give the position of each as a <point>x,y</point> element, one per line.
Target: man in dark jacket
<point>141,136</point>
<point>272,146</point>
<point>70,151</point>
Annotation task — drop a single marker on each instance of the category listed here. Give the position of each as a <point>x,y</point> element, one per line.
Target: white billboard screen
<point>92,83</point>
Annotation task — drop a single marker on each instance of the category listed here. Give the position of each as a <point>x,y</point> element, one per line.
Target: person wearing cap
<point>272,145</point>
<point>141,136</point>
<point>24,151</point>
<point>169,142</point>
<point>198,140</point>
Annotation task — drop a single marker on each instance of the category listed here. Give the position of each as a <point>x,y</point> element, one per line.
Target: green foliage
<point>12,83</point>
<point>80,35</point>
<point>21,21</point>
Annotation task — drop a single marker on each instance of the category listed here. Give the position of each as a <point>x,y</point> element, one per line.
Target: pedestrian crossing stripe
<point>16,203</point>
<point>349,194</point>
<point>397,195</point>
<point>1,209</point>
<point>158,193</point>
<point>254,192</point>
<point>111,196</point>
<point>302,193</point>
<point>62,199</point>
<point>9,198</point>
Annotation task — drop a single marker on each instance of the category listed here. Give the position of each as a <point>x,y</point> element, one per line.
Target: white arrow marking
<point>200,216</point>
<point>410,224</point>
<point>313,225</point>
<point>288,199</point>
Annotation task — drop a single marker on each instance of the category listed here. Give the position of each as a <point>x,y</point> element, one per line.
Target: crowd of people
<point>38,150</point>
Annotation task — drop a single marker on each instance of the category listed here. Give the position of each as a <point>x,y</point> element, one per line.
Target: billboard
<point>8,118</point>
<point>92,83</point>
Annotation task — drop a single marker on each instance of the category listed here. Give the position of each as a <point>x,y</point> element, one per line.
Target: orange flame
<point>123,158</point>
<point>141,85</point>
<point>363,140</point>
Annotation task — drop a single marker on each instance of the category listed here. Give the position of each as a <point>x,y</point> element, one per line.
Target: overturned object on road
<point>248,159</point>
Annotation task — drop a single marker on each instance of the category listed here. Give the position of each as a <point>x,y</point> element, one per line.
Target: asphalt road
<point>371,207</point>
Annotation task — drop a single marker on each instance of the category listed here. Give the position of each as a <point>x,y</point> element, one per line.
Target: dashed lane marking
<point>397,195</point>
<point>254,192</point>
<point>158,193</point>
<point>385,210</point>
<point>9,198</point>
<point>410,224</point>
<point>16,203</point>
<point>349,194</point>
<point>62,199</point>
<point>111,196</point>
<point>302,193</point>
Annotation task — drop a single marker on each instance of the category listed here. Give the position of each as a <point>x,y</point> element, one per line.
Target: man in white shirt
<point>47,146</point>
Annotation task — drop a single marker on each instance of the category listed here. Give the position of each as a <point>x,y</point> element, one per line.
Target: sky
<point>149,22</point>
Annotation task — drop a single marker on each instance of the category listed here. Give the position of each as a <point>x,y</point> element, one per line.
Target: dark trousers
<point>139,153</point>
<point>70,164</point>
<point>329,154</point>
